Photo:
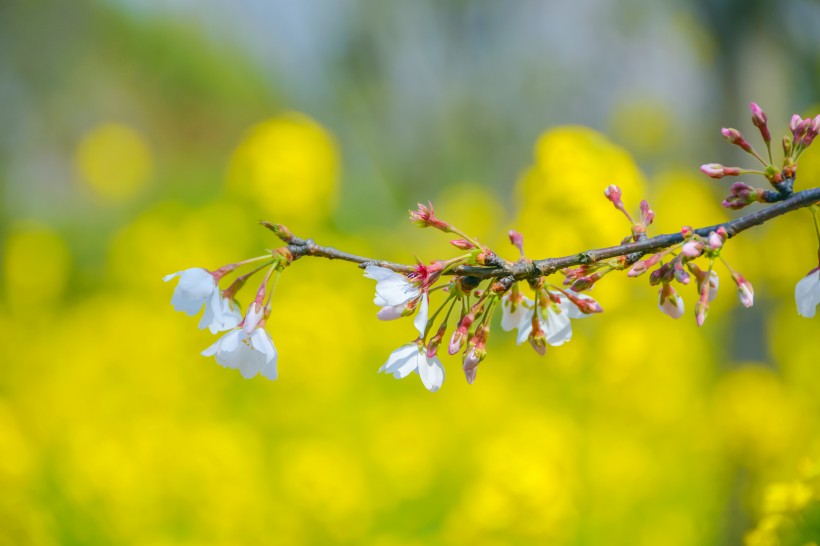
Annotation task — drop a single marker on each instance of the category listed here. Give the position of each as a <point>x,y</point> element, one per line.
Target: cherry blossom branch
<point>498,268</point>
<point>480,282</point>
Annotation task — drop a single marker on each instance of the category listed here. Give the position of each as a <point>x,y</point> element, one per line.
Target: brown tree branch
<point>521,270</point>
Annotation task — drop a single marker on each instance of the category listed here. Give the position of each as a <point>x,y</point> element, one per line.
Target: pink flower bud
<point>458,337</point>
<point>681,275</point>
<point>642,266</point>
<point>463,244</point>
<point>741,196</point>
<point>686,231</point>
<point>811,132</point>
<point>759,120</point>
<point>647,214</point>
<point>734,136</point>
<point>715,241</point>
<point>517,240</point>
<point>716,170</point>
<point>745,291</point>
<point>456,341</point>
<point>795,123</point>
<point>613,193</point>
<point>692,249</point>
<point>585,283</point>
<point>802,129</point>
<point>701,312</point>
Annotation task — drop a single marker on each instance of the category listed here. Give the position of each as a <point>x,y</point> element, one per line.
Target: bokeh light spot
<point>115,161</point>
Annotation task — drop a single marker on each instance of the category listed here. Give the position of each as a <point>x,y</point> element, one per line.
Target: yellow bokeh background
<point>114,430</point>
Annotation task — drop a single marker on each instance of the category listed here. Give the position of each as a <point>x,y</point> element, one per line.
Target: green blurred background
<point>144,137</point>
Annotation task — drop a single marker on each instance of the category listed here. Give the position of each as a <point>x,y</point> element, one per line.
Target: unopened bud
<point>692,249</point>
<point>463,244</point>
<point>734,136</point>
<point>741,196</point>
<point>745,291</point>
<point>642,266</point>
<point>279,230</point>
<point>669,302</point>
<point>794,123</point>
<point>517,240</point>
<point>647,214</point>
<point>702,306</point>
<point>613,193</point>
<point>787,145</point>
<point>715,241</point>
<point>759,120</point>
<point>586,304</point>
<point>681,275</point>
<point>716,170</point>
<point>811,132</point>
<point>585,283</point>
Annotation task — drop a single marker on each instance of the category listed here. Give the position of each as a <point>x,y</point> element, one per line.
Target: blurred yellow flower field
<point>114,429</point>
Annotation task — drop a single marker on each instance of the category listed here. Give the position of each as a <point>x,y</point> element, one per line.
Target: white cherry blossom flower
<point>395,293</point>
<point>512,318</point>
<point>251,354</point>
<point>196,287</point>
<point>554,321</point>
<point>411,358</point>
<point>222,315</point>
<point>807,294</point>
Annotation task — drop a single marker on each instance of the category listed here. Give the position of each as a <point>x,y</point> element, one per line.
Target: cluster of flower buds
<point>781,179</point>
<point>246,346</point>
<point>677,264</point>
<point>543,320</point>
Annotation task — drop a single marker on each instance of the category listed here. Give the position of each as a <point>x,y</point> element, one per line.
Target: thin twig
<point>532,269</point>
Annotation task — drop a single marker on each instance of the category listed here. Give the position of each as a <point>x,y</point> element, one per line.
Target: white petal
<point>231,315</point>
<point>807,294</point>
<point>231,341</point>
<point>391,312</point>
<point>391,288</point>
<point>213,349</point>
<point>431,372</point>
<point>253,316</point>
<point>524,329</point>
<point>420,322</point>
<point>195,286</point>
<point>264,344</point>
<point>399,357</point>
<point>558,329</point>
<point>212,317</point>
<point>510,320</point>
<point>377,272</point>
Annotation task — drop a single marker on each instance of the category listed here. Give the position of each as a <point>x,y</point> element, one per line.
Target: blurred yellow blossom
<point>114,160</point>
<point>288,166</point>
<point>36,266</point>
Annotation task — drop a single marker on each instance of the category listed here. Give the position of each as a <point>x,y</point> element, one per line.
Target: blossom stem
<point>538,268</point>
<point>430,320</point>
